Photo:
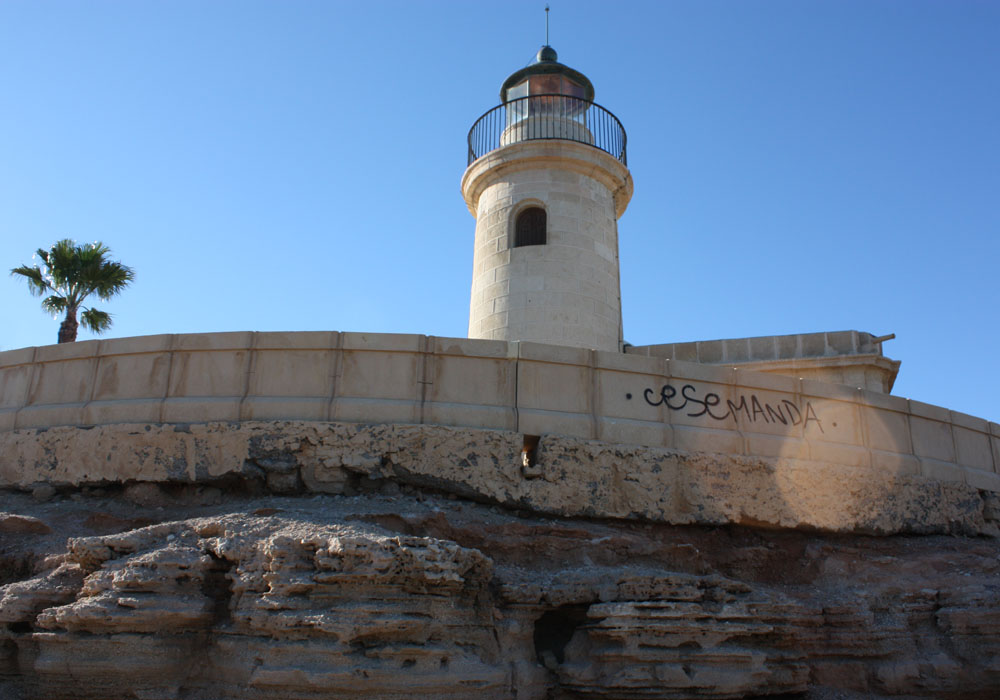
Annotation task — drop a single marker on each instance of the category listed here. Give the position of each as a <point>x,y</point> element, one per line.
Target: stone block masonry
<point>521,387</point>
<point>566,291</point>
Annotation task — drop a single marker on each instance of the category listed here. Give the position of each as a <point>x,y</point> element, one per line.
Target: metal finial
<point>546,25</point>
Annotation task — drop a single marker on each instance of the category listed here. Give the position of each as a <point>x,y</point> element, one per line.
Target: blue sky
<point>799,166</point>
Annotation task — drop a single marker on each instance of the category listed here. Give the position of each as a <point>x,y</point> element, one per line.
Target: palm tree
<point>72,273</point>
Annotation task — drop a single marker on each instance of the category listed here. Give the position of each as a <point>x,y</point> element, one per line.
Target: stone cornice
<point>548,153</point>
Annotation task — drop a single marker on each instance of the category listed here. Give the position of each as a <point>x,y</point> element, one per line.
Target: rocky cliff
<point>382,580</point>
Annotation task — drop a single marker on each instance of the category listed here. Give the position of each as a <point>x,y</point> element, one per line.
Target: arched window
<point>529,227</point>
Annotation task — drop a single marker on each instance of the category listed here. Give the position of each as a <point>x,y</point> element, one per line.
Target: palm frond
<point>55,304</point>
<point>97,321</point>
<point>37,284</point>
<point>63,262</point>
<point>111,279</point>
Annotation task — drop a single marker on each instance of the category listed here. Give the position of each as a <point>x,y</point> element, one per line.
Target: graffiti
<point>784,412</point>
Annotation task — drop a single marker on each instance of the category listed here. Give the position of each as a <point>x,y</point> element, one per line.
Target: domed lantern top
<point>546,76</point>
<point>547,100</point>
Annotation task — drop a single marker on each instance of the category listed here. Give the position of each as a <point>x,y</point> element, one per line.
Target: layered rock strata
<point>405,595</point>
<point>305,561</point>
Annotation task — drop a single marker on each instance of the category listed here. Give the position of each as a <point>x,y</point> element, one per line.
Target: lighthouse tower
<point>547,181</point>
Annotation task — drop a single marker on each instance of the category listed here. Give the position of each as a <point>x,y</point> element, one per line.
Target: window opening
<point>529,227</point>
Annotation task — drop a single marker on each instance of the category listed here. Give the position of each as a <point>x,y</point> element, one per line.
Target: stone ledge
<point>568,477</point>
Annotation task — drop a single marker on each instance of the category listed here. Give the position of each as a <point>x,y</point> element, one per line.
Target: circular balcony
<point>547,117</point>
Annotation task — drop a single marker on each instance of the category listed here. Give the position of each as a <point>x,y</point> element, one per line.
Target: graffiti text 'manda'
<point>753,410</point>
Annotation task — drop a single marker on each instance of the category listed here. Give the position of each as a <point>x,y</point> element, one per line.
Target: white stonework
<point>567,291</point>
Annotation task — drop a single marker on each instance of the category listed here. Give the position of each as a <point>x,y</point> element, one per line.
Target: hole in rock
<point>354,483</point>
<point>15,567</point>
<point>529,450</point>
<point>8,658</point>
<point>216,587</point>
<point>21,627</point>
<point>555,628</point>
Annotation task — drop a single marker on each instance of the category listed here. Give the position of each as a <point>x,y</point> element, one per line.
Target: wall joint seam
<point>859,412</point>
<point>170,375</point>
<point>29,386</point>
<point>993,450</point>
<point>909,434</point>
<point>663,411</point>
<point>336,368</point>
<point>517,385</point>
<point>954,446</point>
<point>733,384</point>
<point>427,346</point>
<point>93,382</point>
<point>248,376</point>
<point>595,421</point>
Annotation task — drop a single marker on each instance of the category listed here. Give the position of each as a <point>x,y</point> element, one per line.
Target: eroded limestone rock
<point>566,477</point>
<point>423,596</point>
<point>323,560</point>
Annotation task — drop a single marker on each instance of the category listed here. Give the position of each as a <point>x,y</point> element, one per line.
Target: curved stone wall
<point>524,387</point>
<point>567,291</point>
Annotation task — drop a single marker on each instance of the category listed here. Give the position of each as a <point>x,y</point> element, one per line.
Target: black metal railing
<point>547,117</point>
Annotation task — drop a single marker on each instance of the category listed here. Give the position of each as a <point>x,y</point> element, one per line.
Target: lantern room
<point>546,76</point>
<point>547,99</point>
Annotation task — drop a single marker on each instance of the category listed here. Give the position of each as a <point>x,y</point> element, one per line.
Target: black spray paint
<point>785,412</point>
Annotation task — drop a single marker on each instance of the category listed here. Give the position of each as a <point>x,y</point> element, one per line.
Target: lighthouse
<point>547,180</point>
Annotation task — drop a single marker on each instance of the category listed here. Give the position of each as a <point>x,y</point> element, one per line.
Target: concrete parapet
<point>523,387</point>
<point>840,357</point>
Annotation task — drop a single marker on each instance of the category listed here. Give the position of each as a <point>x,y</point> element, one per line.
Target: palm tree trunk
<point>67,329</point>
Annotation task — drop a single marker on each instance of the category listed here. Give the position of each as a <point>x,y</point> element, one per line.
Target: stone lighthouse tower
<point>547,181</point>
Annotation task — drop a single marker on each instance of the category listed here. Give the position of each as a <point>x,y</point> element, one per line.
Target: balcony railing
<point>547,117</point>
